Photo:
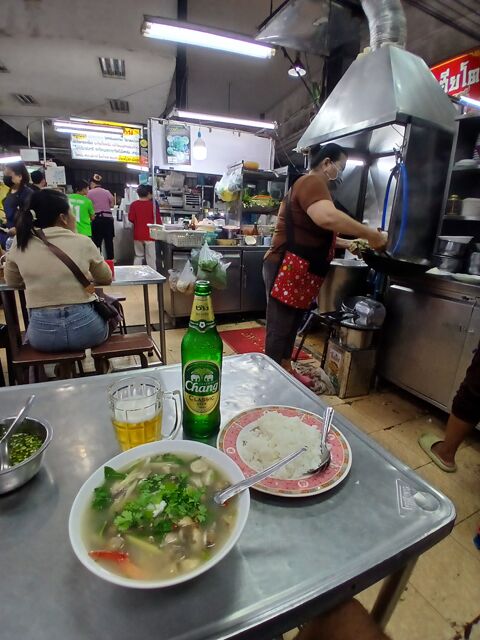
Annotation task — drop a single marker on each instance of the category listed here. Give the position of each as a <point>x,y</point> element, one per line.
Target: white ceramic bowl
<point>187,447</point>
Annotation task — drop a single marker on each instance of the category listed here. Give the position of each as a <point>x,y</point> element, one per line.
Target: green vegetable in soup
<point>157,518</point>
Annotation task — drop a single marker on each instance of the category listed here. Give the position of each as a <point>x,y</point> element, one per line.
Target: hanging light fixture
<point>297,69</point>
<point>199,150</point>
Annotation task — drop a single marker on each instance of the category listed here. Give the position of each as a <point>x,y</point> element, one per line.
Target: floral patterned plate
<point>231,441</point>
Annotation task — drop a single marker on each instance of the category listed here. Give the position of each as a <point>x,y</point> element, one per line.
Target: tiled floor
<point>443,595</point>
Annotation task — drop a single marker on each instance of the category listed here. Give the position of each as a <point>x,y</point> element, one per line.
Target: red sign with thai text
<point>460,75</point>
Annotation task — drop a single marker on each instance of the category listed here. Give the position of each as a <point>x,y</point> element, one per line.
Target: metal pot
<point>455,247</point>
<point>345,278</point>
<point>353,337</point>
<point>446,263</point>
<point>21,473</point>
<point>474,264</point>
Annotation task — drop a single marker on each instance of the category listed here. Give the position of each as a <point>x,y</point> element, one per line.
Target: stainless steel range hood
<point>382,87</point>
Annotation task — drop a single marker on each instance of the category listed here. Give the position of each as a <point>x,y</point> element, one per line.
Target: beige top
<point>48,282</point>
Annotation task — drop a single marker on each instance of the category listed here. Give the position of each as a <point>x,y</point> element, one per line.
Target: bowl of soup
<point>147,519</point>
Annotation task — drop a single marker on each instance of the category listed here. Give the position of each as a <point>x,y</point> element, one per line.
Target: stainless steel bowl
<point>453,248</point>
<point>474,264</point>
<point>453,265</point>
<point>21,473</point>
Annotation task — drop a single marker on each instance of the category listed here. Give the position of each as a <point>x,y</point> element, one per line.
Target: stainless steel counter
<point>431,331</point>
<point>294,559</point>
<point>245,290</point>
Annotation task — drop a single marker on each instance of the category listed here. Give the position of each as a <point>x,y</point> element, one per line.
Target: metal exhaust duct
<point>386,21</point>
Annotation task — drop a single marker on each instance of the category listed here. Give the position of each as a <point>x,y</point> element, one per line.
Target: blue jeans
<point>71,328</point>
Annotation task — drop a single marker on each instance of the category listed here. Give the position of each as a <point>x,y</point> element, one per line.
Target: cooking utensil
<point>4,455</point>
<point>234,437</point>
<point>385,263</point>
<point>447,264</point>
<point>17,475</point>
<point>453,246</point>
<point>226,494</point>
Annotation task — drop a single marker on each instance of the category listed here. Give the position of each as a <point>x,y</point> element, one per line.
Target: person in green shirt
<point>82,208</point>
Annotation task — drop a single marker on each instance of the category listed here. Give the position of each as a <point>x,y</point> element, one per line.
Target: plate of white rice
<point>259,437</point>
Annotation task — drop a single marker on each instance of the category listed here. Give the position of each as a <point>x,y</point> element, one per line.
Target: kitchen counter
<point>431,331</point>
<point>245,290</point>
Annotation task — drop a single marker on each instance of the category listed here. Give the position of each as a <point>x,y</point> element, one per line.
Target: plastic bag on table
<point>173,276</point>
<point>218,277</point>
<point>208,259</point>
<point>186,280</point>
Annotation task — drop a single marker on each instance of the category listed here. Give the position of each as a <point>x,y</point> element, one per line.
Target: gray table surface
<point>124,275</point>
<point>294,558</point>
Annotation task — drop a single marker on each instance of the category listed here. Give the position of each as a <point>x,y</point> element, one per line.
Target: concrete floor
<point>443,595</point>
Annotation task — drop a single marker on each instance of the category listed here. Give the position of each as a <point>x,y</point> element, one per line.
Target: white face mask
<point>338,177</point>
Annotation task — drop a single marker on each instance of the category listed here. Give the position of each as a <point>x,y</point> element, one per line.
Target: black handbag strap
<point>289,226</point>
<point>67,261</point>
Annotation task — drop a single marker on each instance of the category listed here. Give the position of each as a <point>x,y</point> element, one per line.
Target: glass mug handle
<point>176,396</point>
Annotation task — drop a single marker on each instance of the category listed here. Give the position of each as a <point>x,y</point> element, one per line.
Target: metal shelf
<point>466,169</point>
<point>461,218</point>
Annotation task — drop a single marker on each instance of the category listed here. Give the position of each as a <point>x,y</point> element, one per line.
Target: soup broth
<point>156,519</point>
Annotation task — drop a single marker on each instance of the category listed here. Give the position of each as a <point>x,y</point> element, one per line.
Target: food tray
<point>178,238</point>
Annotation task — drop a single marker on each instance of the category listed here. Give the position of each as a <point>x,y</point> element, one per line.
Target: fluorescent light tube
<point>9,159</point>
<point>470,101</point>
<point>77,127</point>
<point>91,134</point>
<point>138,167</point>
<point>355,163</point>
<point>205,117</point>
<point>185,33</point>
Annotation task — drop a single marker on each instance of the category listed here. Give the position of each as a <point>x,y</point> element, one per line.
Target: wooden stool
<point>26,356</point>
<point>119,345</point>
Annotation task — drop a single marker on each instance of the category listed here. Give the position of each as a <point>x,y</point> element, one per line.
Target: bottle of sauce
<point>202,352</point>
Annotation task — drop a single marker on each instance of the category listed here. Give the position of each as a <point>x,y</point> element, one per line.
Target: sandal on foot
<point>426,441</point>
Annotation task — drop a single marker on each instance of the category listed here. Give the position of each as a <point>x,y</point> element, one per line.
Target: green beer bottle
<point>202,351</point>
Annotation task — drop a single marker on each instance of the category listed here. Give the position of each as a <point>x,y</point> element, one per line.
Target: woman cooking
<point>307,225</point>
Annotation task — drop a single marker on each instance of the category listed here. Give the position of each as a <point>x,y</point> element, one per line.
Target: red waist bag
<point>294,285</point>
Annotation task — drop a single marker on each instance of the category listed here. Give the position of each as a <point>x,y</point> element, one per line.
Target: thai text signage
<point>460,75</point>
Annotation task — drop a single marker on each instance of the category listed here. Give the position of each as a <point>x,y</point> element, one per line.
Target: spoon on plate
<point>222,496</point>
<point>4,455</point>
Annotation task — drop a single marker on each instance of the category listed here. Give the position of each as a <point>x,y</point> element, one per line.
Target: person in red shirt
<point>140,214</point>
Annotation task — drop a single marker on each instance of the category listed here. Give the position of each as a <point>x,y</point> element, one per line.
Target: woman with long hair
<point>17,179</point>
<point>62,316</point>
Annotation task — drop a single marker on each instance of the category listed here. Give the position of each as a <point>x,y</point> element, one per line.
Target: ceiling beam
<point>441,18</point>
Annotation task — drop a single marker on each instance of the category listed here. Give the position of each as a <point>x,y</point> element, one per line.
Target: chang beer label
<point>201,386</point>
<point>202,317</point>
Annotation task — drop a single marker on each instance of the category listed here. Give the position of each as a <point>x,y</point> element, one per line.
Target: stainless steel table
<point>144,275</point>
<point>295,558</point>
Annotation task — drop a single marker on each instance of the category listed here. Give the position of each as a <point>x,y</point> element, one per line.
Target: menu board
<point>109,147</point>
<point>177,139</point>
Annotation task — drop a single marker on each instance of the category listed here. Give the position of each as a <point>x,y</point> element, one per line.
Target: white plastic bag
<point>173,276</point>
<point>186,280</point>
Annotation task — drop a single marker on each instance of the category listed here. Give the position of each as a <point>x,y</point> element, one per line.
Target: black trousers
<point>103,232</point>
<point>283,321</point>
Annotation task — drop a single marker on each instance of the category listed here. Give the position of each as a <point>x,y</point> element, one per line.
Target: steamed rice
<point>272,437</point>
